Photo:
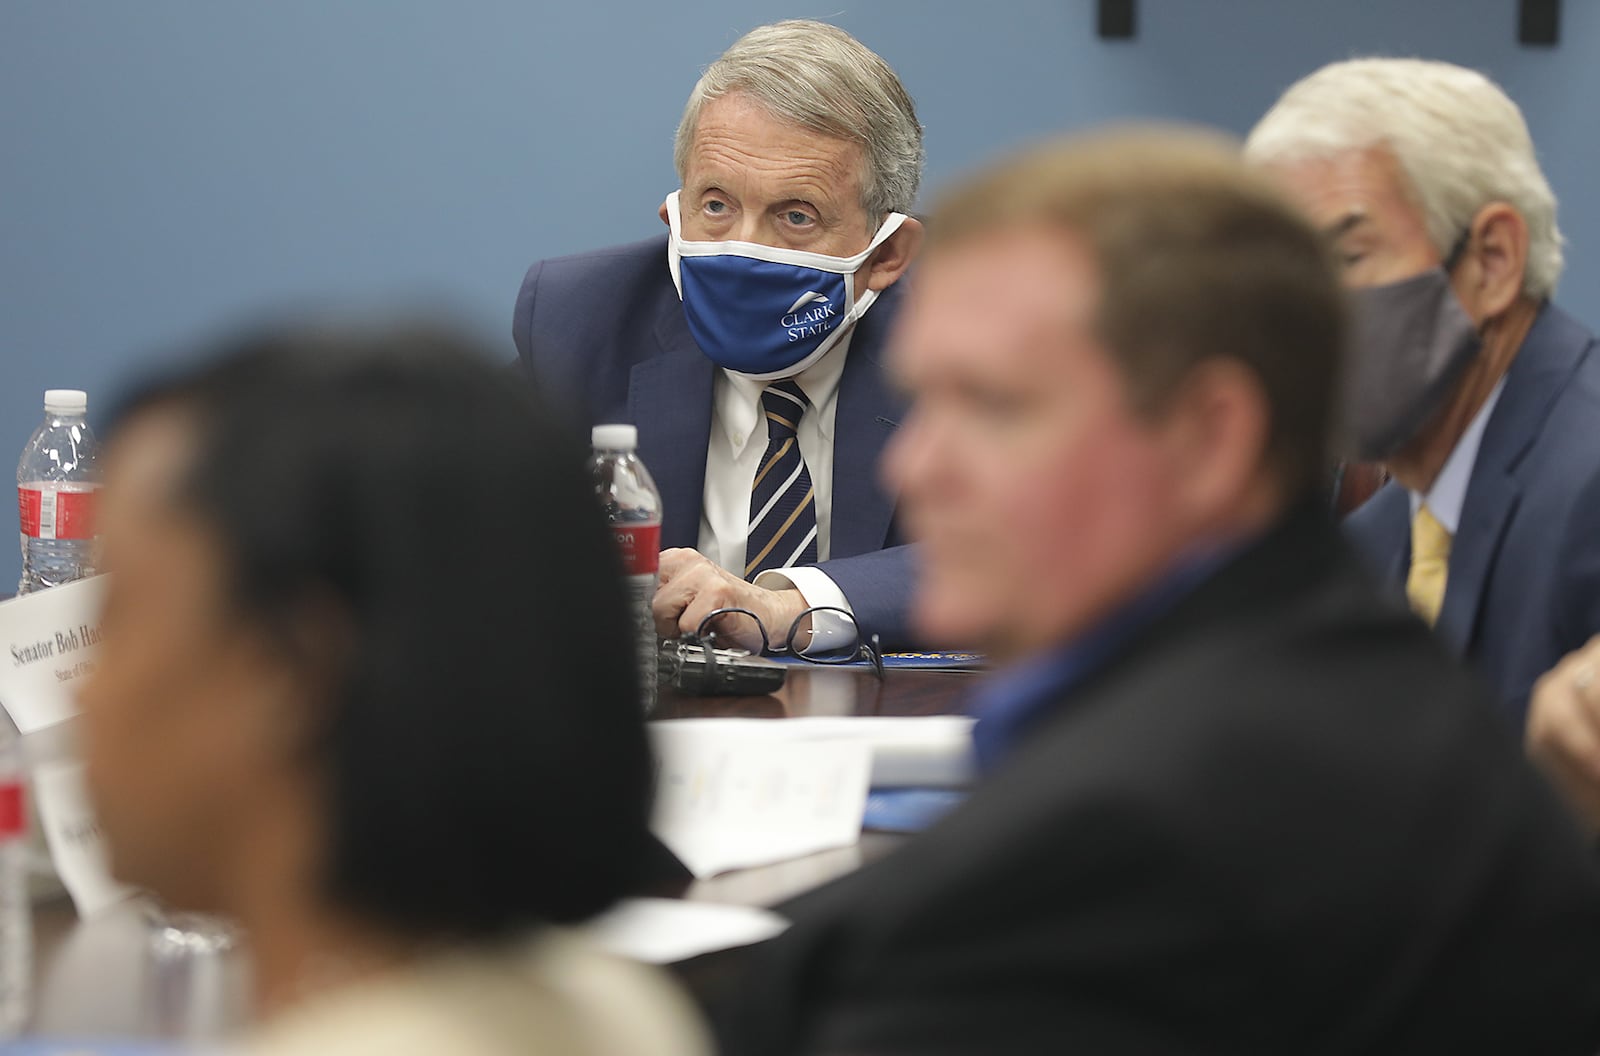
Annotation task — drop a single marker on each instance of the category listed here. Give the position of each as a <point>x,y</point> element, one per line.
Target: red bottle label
<point>640,545</point>
<point>56,514</point>
<point>13,819</point>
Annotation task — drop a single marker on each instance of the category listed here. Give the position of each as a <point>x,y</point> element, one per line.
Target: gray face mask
<point>1412,340</point>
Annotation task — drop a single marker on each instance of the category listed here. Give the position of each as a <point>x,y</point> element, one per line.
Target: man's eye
<point>1348,256</point>
<point>797,218</point>
<point>716,208</point>
<point>993,404</point>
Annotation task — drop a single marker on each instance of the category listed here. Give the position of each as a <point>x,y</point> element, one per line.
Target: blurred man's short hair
<point>1200,259</point>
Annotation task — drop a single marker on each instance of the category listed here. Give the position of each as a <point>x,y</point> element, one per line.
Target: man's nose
<point>750,228</point>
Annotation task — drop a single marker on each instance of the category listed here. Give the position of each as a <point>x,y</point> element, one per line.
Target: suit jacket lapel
<point>1542,367</point>
<point>669,399</point>
<point>867,413</point>
<point>1492,498</point>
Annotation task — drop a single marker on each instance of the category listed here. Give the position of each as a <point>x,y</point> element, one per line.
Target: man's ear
<point>890,260</point>
<point>662,213</point>
<point>1217,428</point>
<point>1489,279</point>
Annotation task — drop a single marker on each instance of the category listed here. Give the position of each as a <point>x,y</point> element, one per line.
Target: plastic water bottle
<point>633,506</point>
<point>57,478</point>
<point>16,919</point>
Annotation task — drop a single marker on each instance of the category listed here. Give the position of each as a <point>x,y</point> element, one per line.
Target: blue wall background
<point>168,166</point>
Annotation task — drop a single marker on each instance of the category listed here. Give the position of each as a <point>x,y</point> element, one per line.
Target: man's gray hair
<point>1459,140</point>
<point>821,78</point>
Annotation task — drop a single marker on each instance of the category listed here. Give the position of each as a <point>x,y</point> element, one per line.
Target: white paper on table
<point>49,640</point>
<point>725,800</point>
<point>73,836</point>
<point>664,930</point>
<point>914,751</point>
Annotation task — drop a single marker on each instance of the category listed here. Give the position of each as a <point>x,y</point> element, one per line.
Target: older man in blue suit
<point>1480,396</point>
<point>741,344</point>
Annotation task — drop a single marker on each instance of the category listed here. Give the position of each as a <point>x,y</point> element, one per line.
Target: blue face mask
<point>766,312</point>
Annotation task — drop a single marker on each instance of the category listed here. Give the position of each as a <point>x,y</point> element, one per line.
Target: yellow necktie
<point>1430,563</point>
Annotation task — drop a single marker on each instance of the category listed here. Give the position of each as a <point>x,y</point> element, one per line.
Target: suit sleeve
<point>878,586</point>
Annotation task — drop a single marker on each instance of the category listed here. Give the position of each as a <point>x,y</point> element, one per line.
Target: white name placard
<point>725,800</point>
<point>73,836</point>
<point>48,643</point>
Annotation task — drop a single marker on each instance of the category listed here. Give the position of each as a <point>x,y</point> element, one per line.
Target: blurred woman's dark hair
<point>480,741</point>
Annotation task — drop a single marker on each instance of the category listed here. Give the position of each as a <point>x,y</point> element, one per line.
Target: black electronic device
<point>702,671</point>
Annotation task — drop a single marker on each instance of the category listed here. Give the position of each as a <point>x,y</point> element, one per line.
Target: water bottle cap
<point>615,437</point>
<point>66,401</point>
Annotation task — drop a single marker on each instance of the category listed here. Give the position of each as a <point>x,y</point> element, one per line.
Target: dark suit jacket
<point>1524,582</point>
<point>1280,821</point>
<point>605,332</point>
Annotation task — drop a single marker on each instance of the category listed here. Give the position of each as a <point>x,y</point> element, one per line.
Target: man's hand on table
<point>1563,734</point>
<point>692,587</point>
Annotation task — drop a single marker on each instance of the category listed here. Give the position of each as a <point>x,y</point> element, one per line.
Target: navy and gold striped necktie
<point>783,506</point>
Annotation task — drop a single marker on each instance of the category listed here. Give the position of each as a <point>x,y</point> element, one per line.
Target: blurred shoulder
<point>645,260</point>
<point>553,994</point>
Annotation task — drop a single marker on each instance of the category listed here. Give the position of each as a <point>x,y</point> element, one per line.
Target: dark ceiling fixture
<point>1115,20</point>
<point>1539,22</point>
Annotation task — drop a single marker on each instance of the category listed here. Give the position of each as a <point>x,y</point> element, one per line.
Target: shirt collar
<point>1449,492</point>
<point>741,410</point>
<point>1012,699</point>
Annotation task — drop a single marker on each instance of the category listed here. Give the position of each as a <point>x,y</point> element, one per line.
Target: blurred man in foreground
<point>1478,394</point>
<point>1232,801</point>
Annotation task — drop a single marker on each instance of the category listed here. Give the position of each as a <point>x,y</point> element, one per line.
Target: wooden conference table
<point>95,978</point>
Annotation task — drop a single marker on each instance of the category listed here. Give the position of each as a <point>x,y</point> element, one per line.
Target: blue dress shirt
<point>1014,698</point>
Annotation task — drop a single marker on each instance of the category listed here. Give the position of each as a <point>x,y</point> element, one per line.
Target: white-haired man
<point>1477,393</point>
<point>740,344</point>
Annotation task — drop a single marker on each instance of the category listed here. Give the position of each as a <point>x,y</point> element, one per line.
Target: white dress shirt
<point>733,457</point>
<point>1449,491</point>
